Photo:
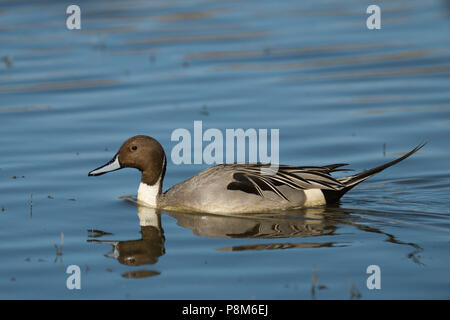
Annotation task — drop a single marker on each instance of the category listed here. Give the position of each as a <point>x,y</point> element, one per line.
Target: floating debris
<point>416,257</point>
<point>314,285</point>
<point>354,292</point>
<point>314,280</point>
<point>3,209</point>
<point>8,61</point>
<point>27,259</point>
<point>204,111</point>
<point>109,269</point>
<point>59,251</point>
<point>72,199</point>
<point>41,260</point>
<point>50,197</point>
<point>13,279</point>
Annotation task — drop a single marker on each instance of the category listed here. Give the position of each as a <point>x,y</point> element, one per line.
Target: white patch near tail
<point>314,197</point>
<point>149,194</point>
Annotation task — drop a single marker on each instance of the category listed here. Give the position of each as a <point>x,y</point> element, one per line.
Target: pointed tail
<point>352,181</point>
<point>360,177</point>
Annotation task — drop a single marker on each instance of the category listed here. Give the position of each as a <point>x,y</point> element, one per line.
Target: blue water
<point>336,91</point>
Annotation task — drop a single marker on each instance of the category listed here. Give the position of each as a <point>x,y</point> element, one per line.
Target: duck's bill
<point>113,165</point>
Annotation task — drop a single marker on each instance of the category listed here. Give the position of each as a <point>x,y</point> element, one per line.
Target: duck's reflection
<point>144,251</point>
<point>301,224</point>
<point>309,223</point>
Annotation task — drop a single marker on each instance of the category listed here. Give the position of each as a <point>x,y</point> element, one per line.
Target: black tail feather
<point>333,196</point>
<point>351,181</point>
<point>360,177</point>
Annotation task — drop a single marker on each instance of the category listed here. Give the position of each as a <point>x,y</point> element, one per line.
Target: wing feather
<point>298,178</point>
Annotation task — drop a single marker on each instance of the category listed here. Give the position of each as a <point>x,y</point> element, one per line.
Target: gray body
<point>207,192</point>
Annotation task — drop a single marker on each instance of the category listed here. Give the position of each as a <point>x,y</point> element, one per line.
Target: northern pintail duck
<point>234,188</point>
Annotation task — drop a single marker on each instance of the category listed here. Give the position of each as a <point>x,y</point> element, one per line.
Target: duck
<point>235,187</point>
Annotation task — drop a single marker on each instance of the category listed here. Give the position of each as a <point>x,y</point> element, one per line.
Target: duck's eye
<point>134,147</point>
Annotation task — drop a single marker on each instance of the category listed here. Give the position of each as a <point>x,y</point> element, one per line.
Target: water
<point>337,92</point>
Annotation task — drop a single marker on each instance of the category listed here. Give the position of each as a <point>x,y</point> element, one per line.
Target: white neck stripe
<point>149,194</point>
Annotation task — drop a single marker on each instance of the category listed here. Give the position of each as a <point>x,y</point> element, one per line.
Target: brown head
<point>141,152</point>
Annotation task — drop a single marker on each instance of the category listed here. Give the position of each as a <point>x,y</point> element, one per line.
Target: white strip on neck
<point>149,194</point>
